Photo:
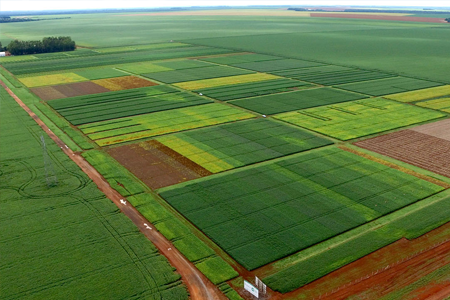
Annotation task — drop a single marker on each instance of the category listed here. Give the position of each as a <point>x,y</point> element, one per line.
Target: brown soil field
<point>416,148</point>
<point>157,165</point>
<point>47,93</point>
<point>378,17</point>
<point>124,83</point>
<point>440,129</point>
<point>399,266</point>
<point>68,90</point>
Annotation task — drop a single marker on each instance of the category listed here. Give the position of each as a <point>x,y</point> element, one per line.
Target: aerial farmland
<point>226,153</point>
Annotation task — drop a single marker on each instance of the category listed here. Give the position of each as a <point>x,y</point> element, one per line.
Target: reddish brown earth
<point>199,286</point>
<point>157,165</point>
<point>378,17</point>
<point>68,90</point>
<point>124,83</point>
<point>416,148</point>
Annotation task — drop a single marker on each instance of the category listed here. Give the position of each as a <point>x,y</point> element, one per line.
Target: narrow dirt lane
<point>199,286</point>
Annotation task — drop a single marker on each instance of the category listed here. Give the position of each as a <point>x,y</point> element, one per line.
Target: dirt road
<point>198,285</point>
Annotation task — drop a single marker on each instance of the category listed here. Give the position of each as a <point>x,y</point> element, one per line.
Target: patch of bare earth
<point>157,165</point>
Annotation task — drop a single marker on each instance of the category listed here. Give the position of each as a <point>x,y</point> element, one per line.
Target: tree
<point>1,47</point>
<point>448,20</point>
<point>47,45</point>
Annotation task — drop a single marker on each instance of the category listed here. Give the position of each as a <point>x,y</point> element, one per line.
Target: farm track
<point>198,285</point>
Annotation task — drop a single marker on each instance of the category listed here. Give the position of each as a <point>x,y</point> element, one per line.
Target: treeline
<point>448,20</point>
<point>13,20</point>
<point>47,45</point>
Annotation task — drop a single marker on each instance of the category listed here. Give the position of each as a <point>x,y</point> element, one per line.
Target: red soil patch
<point>378,17</point>
<point>419,149</point>
<point>47,93</point>
<point>157,165</point>
<point>124,83</point>
<point>392,268</point>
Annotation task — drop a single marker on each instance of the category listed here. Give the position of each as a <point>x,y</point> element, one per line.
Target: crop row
<point>355,119</point>
<point>273,104</point>
<point>274,210</point>
<point>196,74</point>
<point>332,75</point>
<point>158,123</point>
<point>252,89</point>
<point>233,145</point>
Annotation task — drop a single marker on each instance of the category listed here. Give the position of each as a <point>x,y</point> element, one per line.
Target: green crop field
<point>229,146</point>
<point>273,104</point>
<point>268,212</point>
<point>150,67</point>
<point>275,65</point>
<point>359,118</point>
<point>332,75</point>
<point>245,90</point>
<point>240,58</point>
<point>196,74</point>
<point>148,125</point>
<point>67,63</point>
<point>112,105</point>
<point>68,240</point>
<point>388,86</point>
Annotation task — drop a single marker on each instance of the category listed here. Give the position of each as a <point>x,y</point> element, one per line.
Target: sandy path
<point>199,286</point>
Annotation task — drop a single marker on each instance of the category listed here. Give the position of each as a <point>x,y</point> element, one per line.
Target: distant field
<point>355,119</point>
<point>277,209</point>
<point>273,104</point>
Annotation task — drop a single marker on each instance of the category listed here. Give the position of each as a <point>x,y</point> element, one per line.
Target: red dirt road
<point>198,285</point>
<point>379,17</point>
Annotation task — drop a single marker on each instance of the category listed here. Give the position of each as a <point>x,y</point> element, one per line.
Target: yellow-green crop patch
<point>355,119</point>
<point>233,145</point>
<point>419,95</point>
<point>215,82</point>
<point>158,123</point>
<point>52,79</point>
<point>442,104</point>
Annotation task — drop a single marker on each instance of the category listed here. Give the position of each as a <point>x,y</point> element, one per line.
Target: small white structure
<point>200,94</point>
<point>2,54</point>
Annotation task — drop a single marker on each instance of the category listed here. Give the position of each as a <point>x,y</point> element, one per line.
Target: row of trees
<point>448,20</point>
<point>47,45</point>
<point>6,19</point>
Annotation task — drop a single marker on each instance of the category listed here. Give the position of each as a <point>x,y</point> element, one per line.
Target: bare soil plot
<point>68,90</point>
<point>426,146</point>
<point>157,165</point>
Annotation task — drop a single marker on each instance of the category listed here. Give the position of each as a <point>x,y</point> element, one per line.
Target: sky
<point>13,5</point>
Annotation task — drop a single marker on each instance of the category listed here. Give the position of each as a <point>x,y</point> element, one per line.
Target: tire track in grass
<point>198,285</point>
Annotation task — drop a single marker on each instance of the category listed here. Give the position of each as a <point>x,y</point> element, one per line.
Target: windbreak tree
<point>47,45</point>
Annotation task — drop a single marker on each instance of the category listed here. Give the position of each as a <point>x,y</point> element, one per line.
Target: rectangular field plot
<point>424,94</point>
<point>124,83</point>
<point>278,103</point>
<point>52,79</point>
<point>230,80</point>
<point>196,74</point>
<point>99,73</point>
<point>229,146</point>
<point>240,58</point>
<point>158,123</point>
<point>140,47</point>
<point>261,214</point>
<point>424,146</point>
<point>332,75</point>
<point>245,90</point>
<point>388,86</point>
<point>156,165</point>
<point>68,90</point>
<point>442,104</point>
<point>151,67</point>
<point>355,119</point>
<point>109,106</point>
<point>275,65</point>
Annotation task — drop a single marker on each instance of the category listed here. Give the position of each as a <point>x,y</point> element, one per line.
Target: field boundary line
<point>395,166</point>
<point>199,286</point>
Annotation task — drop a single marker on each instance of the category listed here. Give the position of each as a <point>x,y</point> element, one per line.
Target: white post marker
<point>249,287</point>
<point>146,226</point>
<point>123,202</point>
